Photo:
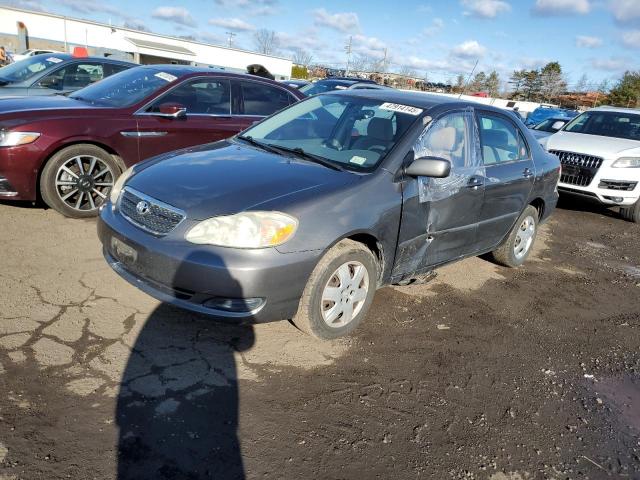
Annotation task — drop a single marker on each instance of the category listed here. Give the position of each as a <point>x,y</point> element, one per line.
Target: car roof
<point>414,99</point>
<point>68,56</point>
<point>608,108</point>
<point>185,71</point>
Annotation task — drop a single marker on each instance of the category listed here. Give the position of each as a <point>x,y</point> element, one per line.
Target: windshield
<point>351,132</point>
<point>125,88</point>
<point>322,86</point>
<point>28,68</point>
<point>549,124</point>
<point>607,124</point>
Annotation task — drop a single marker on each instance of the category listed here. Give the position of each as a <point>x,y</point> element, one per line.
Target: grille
<point>617,185</point>
<point>577,168</point>
<point>160,218</point>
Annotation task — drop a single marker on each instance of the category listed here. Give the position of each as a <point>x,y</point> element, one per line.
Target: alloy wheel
<point>83,182</point>
<point>524,237</point>
<point>345,294</point>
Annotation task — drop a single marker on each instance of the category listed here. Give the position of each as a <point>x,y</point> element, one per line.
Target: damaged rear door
<point>440,215</point>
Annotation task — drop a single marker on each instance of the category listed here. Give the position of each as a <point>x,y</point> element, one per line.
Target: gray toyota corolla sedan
<point>304,215</point>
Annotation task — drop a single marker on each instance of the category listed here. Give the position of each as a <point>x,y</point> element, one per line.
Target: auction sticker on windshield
<point>167,77</point>
<point>396,107</point>
<point>54,60</point>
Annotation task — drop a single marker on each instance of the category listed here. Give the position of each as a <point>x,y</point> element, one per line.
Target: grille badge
<point>142,208</point>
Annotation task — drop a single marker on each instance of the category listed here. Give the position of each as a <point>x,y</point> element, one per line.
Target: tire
<point>315,315</point>
<point>632,212</point>
<point>61,177</point>
<point>512,253</point>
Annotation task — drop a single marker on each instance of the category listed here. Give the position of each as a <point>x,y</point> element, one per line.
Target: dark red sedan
<point>70,150</point>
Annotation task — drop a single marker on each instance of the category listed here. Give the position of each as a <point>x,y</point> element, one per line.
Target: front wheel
<point>339,291</point>
<point>77,180</point>
<point>632,212</point>
<point>518,245</point>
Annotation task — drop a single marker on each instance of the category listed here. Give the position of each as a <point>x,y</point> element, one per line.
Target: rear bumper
<point>19,168</point>
<point>193,276</point>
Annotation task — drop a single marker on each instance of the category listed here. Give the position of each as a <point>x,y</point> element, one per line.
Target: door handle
<point>475,183</point>
<point>527,173</point>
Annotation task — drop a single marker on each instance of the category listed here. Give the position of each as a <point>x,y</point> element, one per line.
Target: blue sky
<point>599,38</point>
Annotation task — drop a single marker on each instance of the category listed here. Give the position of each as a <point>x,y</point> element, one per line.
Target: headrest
<point>443,139</point>
<point>380,128</point>
<point>495,138</point>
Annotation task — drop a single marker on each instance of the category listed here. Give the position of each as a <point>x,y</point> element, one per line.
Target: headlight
<point>627,162</point>
<point>245,230</point>
<point>13,139</point>
<point>117,187</point>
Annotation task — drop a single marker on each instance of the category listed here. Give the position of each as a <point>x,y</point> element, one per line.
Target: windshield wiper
<point>308,156</point>
<point>264,146</point>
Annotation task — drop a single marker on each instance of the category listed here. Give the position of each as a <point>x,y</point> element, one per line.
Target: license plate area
<point>123,252</point>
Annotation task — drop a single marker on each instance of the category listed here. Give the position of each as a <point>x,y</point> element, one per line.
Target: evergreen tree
<point>626,93</point>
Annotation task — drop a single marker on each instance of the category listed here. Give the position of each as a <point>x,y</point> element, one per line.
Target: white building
<point>56,32</point>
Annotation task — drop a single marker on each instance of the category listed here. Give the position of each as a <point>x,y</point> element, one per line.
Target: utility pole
<point>384,61</point>
<point>347,48</point>
<point>230,38</point>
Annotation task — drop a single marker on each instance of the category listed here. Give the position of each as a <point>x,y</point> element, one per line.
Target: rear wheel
<point>77,180</point>
<point>518,245</point>
<point>632,212</point>
<point>339,292</point>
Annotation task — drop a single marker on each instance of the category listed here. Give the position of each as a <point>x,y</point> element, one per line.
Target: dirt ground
<point>484,373</point>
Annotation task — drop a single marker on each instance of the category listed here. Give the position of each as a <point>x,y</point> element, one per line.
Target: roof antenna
<point>464,88</point>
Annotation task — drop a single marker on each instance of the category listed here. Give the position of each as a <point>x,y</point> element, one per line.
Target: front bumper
<point>190,276</point>
<point>19,172</point>
<point>609,186</point>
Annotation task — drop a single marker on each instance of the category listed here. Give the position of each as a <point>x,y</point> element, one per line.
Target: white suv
<point>600,155</point>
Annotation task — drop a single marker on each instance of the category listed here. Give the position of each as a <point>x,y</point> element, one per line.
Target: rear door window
<point>259,99</point>
<point>501,140</point>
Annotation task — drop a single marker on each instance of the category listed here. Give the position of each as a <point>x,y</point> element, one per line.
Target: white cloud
<point>35,5</point>
<point>584,41</point>
<point>344,22</point>
<point>469,49</point>
<point>177,15</point>
<point>436,26</point>
<point>369,46</point>
<point>245,3</point>
<point>631,39</point>
<point>562,7</point>
<point>625,11</point>
<point>232,24</point>
<point>530,63</point>
<point>485,8</point>
<point>613,64</point>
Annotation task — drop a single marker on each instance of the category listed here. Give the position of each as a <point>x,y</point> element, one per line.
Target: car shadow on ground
<point>574,204</point>
<point>177,410</point>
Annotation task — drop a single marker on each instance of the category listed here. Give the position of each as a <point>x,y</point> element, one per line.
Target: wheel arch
<point>107,148</point>
<point>539,204</point>
<point>373,243</point>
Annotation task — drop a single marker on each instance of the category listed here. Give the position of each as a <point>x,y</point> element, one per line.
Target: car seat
<point>379,135</point>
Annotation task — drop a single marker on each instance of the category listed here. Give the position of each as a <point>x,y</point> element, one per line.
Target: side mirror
<point>558,125</point>
<point>172,110</point>
<point>434,167</point>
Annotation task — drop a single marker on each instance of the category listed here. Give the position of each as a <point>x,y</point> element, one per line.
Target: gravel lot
<point>484,373</point>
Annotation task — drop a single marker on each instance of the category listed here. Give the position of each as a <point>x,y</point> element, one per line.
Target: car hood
<point>599,146</point>
<point>13,104</point>
<point>228,177</point>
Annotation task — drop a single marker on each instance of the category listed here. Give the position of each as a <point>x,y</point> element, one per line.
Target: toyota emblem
<point>142,208</point>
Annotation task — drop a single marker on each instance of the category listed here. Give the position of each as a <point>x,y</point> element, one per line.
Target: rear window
<point>607,124</point>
